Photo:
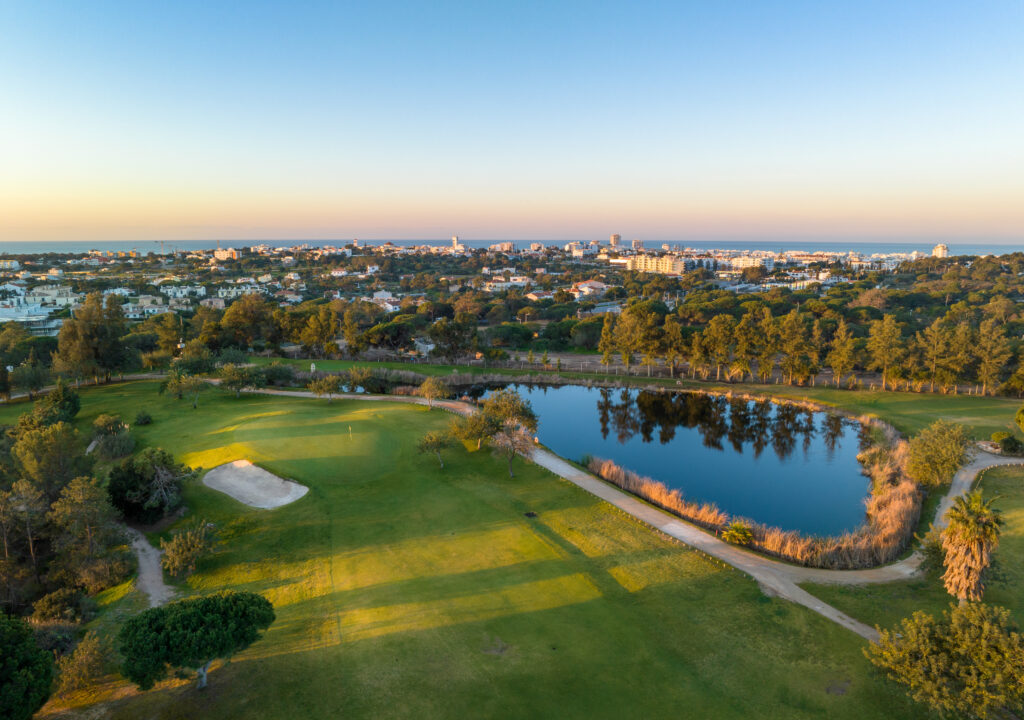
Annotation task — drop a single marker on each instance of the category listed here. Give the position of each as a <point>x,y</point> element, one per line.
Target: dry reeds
<point>893,510</point>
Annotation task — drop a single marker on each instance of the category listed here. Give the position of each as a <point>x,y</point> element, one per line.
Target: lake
<point>774,463</point>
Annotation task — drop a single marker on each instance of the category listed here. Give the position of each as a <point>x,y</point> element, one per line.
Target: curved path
<point>775,577</point>
<point>151,575</point>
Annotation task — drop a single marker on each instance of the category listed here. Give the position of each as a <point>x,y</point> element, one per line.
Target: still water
<point>774,463</point>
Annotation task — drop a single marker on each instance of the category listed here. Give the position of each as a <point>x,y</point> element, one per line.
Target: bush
<point>148,486</point>
<point>232,356</point>
<point>937,452</point>
<point>111,447</point>
<point>65,605</point>
<point>107,425</point>
<point>1010,445</point>
<point>738,533</point>
<point>278,373</point>
<point>143,418</point>
<point>186,548</point>
<point>86,663</point>
<point>998,437</point>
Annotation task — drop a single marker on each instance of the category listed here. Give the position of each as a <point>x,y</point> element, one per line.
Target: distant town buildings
<point>614,240</point>
<point>940,251</point>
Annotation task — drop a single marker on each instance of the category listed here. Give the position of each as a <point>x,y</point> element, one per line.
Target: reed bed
<point>893,510</point>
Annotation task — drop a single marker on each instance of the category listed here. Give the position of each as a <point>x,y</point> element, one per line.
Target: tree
<point>30,375</point>
<point>934,346</point>
<point>62,402</point>
<point>718,341</point>
<point>673,344</point>
<point>191,633</point>
<point>26,670</point>
<point>83,511</point>
<point>350,331</point>
<point>320,334</point>
<point>885,346</point>
<point>937,452</point>
<point>192,386</point>
<point>512,440</point>
<point>841,355</point>
<point>453,338</point>
<point>606,345</point>
<point>250,320</point>
<point>89,343</point>
<point>432,389</point>
<point>50,457</point>
<point>328,385</point>
<point>745,336</point>
<point>78,669</point>
<point>434,442</point>
<point>187,546</point>
<point>357,377</point>
<point>992,350</point>
<point>29,507</point>
<point>238,378</point>
<point>5,383</point>
<point>769,346</point>
<point>629,334</point>
<point>970,537</point>
<point>148,486</point>
<point>969,662</point>
<point>793,344</point>
<point>475,427</point>
<point>509,406</point>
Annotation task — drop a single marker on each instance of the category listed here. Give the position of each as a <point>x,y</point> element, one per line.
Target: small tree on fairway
<point>508,406</point>
<point>26,670</point>
<point>475,427</point>
<point>513,440</point>
<point>433,389</point>
<point>328,385</point>
<point>191,633</point>
<point>434,442</point>
<point>30,376</point>
<point>238,378</point>
<point>970,537</point>
<point>937,452</point>
<point>191,386</point>
<point>968,663</point>
<point>62,402</point>
<point>5,383</point>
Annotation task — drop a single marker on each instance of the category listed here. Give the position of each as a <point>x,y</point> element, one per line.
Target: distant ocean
<point>864,247</point>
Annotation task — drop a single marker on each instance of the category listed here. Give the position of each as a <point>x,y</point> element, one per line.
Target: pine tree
<point>934,346</point>
<point>606,345</point>
<point>841,358</point>
<point>885,346</point>
<point>992,351</point>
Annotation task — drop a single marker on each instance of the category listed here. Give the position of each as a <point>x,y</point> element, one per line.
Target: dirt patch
<point>840,687</point>
<point>151,576</point>
<point>253,485</point>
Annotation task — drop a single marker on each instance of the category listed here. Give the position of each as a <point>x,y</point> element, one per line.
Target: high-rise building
<point>940,251</point>
<point>664,264</point>
<point>638,244</point>
<point>614,240</point>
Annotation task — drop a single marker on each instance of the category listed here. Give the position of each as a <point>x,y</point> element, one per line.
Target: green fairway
<point>907,412</point>
<point>886,604</point>
<point>405,591</point>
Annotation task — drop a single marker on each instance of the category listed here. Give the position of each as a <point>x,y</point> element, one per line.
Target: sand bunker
<point>253,485</point>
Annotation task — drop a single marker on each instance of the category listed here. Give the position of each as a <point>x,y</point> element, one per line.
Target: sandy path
<point>151,575</point>
<point>774,577</point>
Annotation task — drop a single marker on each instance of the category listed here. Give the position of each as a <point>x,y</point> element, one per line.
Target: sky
<point>663,121</point>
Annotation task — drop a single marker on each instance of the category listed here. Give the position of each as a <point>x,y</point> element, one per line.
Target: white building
<point>940,251</point>
<point>53,295</point>
<point>184,291</point>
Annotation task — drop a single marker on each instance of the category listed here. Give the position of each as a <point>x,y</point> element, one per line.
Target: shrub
<point>107,425</point>
<point>278,373</point>
<point>111,447</point>
<point>232,356</point>
<point>998,437</point>
<point>148,486</point>
<point>937,452</point>
<point>143,418</point>
<point>186,548</point>
<point>1010,445</point>
<point>87,662</point>
<point>67,604</point>
<point>738,532</point>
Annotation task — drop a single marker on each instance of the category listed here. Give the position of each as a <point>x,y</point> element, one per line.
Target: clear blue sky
<point>512,119</point>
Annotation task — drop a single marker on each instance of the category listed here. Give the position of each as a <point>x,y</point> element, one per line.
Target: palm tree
<point>968,540</point>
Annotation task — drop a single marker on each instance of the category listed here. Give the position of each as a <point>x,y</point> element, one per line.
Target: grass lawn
<point>887,604</point>
<point>405,591</point>
<point>908,412</point>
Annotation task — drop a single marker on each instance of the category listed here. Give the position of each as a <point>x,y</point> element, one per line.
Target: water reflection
<point>742,423</point>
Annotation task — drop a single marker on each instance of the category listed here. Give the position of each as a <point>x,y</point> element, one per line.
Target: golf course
<point>402,589</point>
